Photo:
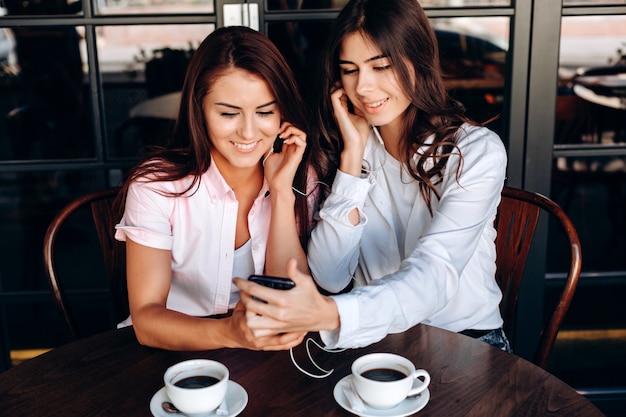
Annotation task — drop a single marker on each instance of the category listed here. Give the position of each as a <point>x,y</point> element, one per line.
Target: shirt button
<point>252,212</point>
<point>255,248</point>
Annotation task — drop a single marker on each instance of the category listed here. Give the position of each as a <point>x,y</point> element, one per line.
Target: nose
<point>365,82</point>
<point>248,129</point>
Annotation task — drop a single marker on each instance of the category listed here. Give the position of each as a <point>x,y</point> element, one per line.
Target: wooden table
<point>110,374</point>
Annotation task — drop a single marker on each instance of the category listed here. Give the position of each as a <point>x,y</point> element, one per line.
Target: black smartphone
<point>273,282</point>
<point>278,144</point>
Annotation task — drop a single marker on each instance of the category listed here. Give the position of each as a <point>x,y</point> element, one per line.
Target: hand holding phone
<point>273,282</point>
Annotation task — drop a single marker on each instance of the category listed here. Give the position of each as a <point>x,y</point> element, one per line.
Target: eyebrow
<point>232,106</point>
<point>374,58</point>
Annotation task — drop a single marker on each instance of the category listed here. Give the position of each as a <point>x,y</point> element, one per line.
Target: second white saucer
<point>405,408</point>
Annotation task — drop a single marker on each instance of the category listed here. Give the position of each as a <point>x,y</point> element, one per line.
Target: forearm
<point>283,241</point>
<point>158,327</point>
<point>333,251</point>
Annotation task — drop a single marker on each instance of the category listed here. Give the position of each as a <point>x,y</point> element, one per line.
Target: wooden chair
<point>114,252</point>
<point>517,219</point>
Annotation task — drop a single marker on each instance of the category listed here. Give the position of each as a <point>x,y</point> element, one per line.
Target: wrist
<point>282,197</point>
<point>331,319</point>
<point>351,163</point>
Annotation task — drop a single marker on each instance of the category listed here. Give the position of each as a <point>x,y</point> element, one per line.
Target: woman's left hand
<point>280,168</point>
<point>299,309</point>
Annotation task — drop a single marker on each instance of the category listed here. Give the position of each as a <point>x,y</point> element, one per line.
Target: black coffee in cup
<point>384,374</point>
<point>199,381</point>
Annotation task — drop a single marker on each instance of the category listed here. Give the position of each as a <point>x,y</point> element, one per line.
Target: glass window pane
<point>305,4</point>
<point>591,104</point>
<point>338,4</point>
<point>473,57</point>
<point>143,68</point>
<point>154,6</point>
<point>38,8</point>
<point>464,3</point>
<point>591,2</point>
<point>44,95</point>
<point>29,202</point>
<point>591,111</point>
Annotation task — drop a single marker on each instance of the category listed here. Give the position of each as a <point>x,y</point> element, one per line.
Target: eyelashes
<point>380,68</point>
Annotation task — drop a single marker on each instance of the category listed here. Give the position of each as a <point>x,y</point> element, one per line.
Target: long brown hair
<point>402,31</point>
<point>188,152</point>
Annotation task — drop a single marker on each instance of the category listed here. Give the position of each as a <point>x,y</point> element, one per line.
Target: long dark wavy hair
<point>402,31</point>
<point>188,152</point>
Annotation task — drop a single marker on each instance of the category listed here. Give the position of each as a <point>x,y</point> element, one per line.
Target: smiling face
<point>242,119</point>
<point>370,81</point>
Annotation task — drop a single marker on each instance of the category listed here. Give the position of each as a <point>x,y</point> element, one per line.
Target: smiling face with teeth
<point>242,119</point>
<point>370,81</point>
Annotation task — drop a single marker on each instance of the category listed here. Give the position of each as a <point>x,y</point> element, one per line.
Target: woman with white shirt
<point>409,218</point>
<point>219,201</point>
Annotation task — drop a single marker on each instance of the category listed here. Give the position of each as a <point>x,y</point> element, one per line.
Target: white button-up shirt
<point>441,274</point>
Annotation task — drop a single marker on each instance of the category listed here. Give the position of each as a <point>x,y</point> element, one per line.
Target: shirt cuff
<point>351,187</point>
<point>348,309</point>
<point>144,237</point>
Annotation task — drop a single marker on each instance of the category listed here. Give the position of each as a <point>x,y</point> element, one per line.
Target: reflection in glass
<point>42,7</point>
<point>154,7</point>
<point>29,202</point>
<point>44,98</point>
<point>591,2</point>
<point>473,55</point>
<point>464,3</point>
<point>591,104</point>
<point>591,111</point>
<point>338,4</point>
<point>143,69</point>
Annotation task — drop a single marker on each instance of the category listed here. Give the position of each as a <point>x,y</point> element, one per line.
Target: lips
<point>246,147</point>
<point>373,107</point>
<point>376,103</point>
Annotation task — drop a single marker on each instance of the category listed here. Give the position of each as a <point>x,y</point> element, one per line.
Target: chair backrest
<point>516,222</point>
<point>105,218</point>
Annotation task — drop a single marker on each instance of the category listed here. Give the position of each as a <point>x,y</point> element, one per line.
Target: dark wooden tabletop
<point>110,374</point>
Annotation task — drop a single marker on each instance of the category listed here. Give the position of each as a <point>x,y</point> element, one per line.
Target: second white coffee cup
<point>384,380</point>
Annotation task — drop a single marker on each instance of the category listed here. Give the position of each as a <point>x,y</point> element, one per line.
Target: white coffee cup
<point>396,378</point>
<point>196,386</point>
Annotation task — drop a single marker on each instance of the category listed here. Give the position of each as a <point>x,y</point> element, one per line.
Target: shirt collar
<point>217,187</point>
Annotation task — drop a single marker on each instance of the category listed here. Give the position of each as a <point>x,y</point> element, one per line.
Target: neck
<point>240,179</point>
<point>390,133</point>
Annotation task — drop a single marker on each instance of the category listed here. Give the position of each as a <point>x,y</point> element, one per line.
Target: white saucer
<point>236,400</point>
<point>405,408</point>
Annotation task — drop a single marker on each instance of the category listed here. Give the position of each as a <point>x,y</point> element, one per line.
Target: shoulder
<point>477,142</point>
<point>153,184</point>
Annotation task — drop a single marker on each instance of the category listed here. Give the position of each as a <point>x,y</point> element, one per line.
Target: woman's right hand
<point>244,337</point>
<point>354,130</point>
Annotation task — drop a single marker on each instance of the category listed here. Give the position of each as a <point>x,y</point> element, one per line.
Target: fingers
<point>282,341</point>
<point>260,339</point>
<point>292,134</point>
<point>339,100</point>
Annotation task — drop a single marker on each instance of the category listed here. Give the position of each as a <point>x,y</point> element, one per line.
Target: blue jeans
<point>498,339</point>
